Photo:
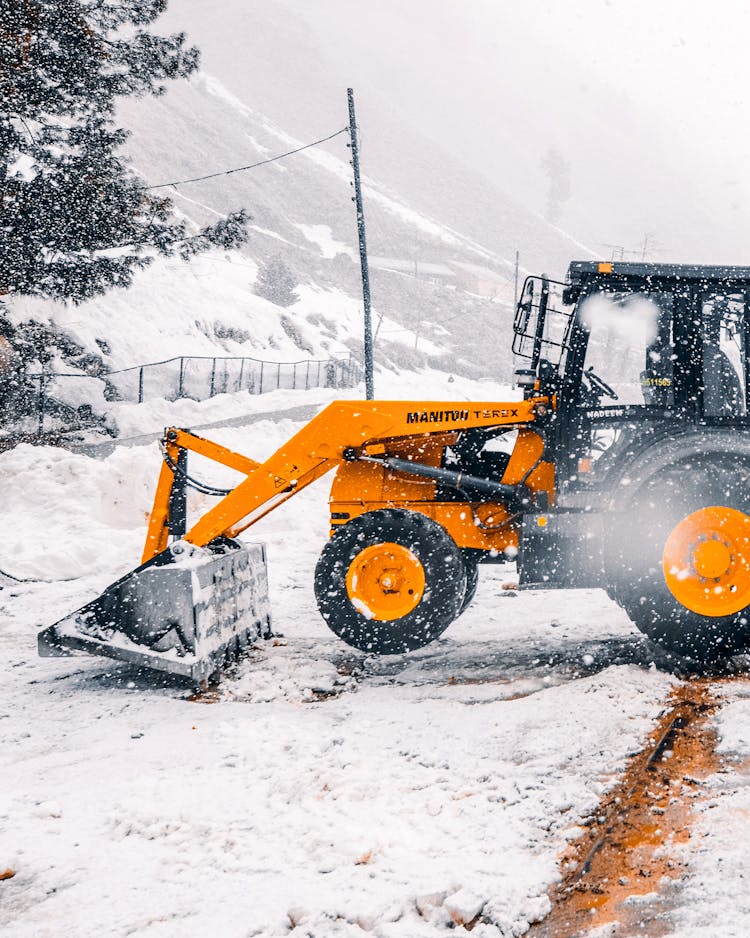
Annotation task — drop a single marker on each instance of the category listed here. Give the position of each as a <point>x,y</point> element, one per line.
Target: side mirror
<point>525,303</point>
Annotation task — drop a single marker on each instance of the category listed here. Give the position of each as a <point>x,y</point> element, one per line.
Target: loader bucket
<point>188,611</point>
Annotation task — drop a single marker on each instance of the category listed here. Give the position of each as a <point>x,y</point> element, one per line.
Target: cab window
<point>723,354</point>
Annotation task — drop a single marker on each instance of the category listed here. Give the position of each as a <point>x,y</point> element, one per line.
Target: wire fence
<point>70,398</point>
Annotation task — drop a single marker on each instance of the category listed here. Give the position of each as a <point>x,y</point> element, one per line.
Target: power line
<point>241,169</point>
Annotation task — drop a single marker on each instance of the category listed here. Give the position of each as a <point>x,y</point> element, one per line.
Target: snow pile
<point>274,674</point>
<point>152,416</point>
<point>67,515</point>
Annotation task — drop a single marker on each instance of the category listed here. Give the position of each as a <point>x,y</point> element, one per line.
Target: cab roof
<point>582,270</point>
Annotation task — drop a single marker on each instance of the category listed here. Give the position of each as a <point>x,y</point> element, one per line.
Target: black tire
<point>472,581</point>
<point>637,574</point>
<point>439,603</point>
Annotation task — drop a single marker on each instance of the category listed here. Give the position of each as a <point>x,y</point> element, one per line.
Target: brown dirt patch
<point>625,855</point>
<point>207,694</point>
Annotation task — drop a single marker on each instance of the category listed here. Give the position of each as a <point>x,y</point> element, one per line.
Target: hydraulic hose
<point>517,497</point>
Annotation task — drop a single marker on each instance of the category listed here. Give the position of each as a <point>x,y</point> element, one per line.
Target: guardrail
<point>187,376</point>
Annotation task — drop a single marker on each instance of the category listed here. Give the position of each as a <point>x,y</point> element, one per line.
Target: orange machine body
<point>346,430</point>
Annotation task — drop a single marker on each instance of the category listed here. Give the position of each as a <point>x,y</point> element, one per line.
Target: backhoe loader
<point>625,465</point>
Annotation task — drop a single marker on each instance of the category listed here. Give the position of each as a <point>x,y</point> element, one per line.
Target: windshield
<point>629,348</point>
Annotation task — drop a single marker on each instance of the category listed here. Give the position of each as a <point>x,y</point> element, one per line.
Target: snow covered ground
<point>323,793</point>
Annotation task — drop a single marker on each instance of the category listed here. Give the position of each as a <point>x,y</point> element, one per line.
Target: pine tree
<point>276,283</point>
<point>557,170</point>
<point>74,219</point>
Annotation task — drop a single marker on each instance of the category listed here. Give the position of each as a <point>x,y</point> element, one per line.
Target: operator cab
<point>629,348</point>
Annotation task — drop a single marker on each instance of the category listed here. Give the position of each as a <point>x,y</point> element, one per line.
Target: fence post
<point>294,377</point>
<point>307,376</point>
<point>260,386</point>
<point>278,376</point>
<point>181,387</point>
<point>239,380</point>
<point>140,385</point>
<point>317,380</point>
<point>213,378</point>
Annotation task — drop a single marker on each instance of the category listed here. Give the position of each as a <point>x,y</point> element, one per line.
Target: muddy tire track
<point>622,870</point>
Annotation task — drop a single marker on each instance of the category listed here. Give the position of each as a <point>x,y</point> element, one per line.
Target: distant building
<point>422,270</point>
<point>471,278</point>
<point>483,281</point>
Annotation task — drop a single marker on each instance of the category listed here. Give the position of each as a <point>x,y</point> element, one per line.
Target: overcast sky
<point>645,102</point>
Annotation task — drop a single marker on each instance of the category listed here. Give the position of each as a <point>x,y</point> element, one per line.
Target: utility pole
<point>618,251</point>
<point>645,246</point>
<point>369,377</point>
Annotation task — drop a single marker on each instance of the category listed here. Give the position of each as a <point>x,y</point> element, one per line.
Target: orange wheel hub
<point>706,561</point>
<point>385,581</point>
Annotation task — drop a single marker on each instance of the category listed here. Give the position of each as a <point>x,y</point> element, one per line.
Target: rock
<point>464,906</point>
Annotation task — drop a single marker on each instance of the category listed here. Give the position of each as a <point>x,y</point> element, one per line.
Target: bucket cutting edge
<point>188,611</point>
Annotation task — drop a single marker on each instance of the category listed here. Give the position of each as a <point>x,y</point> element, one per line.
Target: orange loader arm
<point>320,446</point>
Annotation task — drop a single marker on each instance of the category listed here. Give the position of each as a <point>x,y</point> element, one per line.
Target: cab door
<point>723,379</point>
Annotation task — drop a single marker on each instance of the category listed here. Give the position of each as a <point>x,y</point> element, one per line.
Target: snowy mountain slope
<point>493,88</point>
<point>294,60</point>
<point>218,126</point>
<point>311,192</point>
<point>301,211</point>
